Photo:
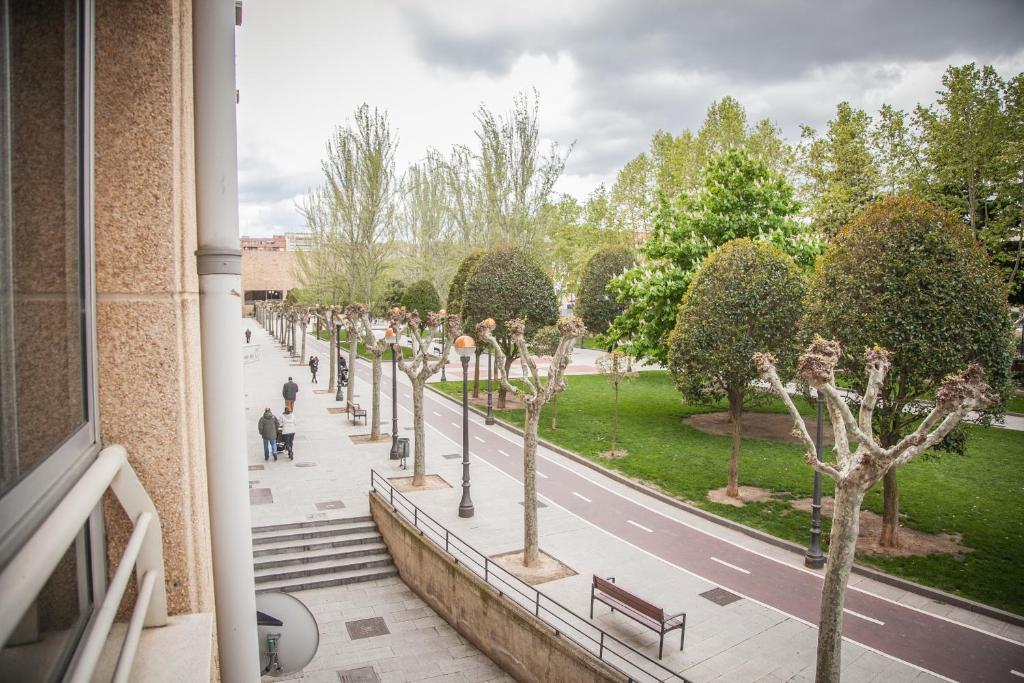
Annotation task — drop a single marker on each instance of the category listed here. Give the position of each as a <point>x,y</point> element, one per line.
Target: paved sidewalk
<point>741,641</point>
<point>328,472</point>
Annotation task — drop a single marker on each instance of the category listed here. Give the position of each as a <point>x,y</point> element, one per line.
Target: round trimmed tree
<point>455,292</point>
<point>508,285</point>
<point>746,297</point>
<point>421,296</point>
<point>595,305</point>
<point>908,276</point>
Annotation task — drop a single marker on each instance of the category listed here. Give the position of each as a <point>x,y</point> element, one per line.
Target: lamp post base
<point>466,510</point>
<point>814,561</point>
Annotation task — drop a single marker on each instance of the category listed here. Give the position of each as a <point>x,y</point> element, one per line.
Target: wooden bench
<point>355,412</point>
<point>637,609</point>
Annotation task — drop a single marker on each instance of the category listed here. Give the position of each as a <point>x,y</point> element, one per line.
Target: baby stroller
<point>281,445</point>
<point>343,376</point>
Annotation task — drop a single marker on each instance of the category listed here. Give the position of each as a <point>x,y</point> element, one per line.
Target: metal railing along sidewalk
<point>632,663</point>
<point>26,575</point>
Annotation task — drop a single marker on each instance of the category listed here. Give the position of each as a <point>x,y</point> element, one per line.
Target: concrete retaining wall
<point>517,641</point>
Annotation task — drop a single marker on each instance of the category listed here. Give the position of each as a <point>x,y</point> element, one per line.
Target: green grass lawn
<point>979,495</point>
<point>361,349</point>
<point>1015,404</point>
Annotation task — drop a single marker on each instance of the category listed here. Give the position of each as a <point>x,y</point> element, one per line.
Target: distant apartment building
<point>268,265</point>
<point>275,243</point>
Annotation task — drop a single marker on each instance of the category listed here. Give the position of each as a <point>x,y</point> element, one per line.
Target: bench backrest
<point>627,598</point>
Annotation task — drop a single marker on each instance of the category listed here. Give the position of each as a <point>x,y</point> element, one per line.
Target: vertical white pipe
<point>219,264</point>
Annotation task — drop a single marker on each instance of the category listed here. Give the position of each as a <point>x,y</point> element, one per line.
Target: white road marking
<point>542,475</point>
<point>730,566</point>
<point>865,618</point>
<point>504,453</point>
<point>437,413</point>
<point>456,424</point>
<point>478,438</point>
<point>640,526</point>
<point>582,497</point>
<point>1016,673</point>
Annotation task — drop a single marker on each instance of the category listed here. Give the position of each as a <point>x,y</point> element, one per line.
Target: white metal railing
<point>24,577</point>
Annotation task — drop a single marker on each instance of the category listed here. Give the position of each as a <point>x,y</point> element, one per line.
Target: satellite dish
<point>287,633</point>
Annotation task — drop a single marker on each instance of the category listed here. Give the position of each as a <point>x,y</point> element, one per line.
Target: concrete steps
<point>305,555</point>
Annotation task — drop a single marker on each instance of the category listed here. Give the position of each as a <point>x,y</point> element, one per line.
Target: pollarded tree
<point>352,330</point>
<point>595,305</point>
<point>746,297</point>
<point>615,368</point>
<point>376,348</point>
<point>908,276</point>
<point>534,394</point>
<point>508,285</point>
<point>545,342</point>
<point>421,296</point>
<point>420,367</point>
<point>856,471</point>
<point>456,301</point>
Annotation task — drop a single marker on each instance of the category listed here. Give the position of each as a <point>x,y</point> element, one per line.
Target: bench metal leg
<point>661,644</point>
<point>682,636</point>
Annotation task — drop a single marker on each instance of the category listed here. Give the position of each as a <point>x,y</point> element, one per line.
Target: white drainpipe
<point>219,261</point>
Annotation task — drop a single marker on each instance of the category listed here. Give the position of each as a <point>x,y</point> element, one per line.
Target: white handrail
<point>27,573</point>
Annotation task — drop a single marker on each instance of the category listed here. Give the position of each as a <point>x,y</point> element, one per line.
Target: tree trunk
<point>890,534</point>
<point>736,417</point>
<point>332,344</point>
<point>502,393</point>
<point>615,419</point>
<point>476,375</point>
<point>554,413</point>
<point>350,390</point>
<point>419,468</point>
<point>375,401</point>
<point>302,353</point>
<point>531,550</point>
<point>841,549</point>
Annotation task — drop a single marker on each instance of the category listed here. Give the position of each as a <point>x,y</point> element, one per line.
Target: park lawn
<point>361,349</point>
<point>1015,404</point>
<point>979,495</point>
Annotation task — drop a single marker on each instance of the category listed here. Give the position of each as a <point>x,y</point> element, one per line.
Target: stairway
<point>305,555</point>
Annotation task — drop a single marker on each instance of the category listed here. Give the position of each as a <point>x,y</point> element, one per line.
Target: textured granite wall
<point>263,270</point>
<point>520,643</point>
<point>146,283</point>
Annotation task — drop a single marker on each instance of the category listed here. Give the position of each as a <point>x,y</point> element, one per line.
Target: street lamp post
<point>337,338</point>
<point>443,378</point>
<point>814,558</point>
<point>490,406</point>
<point>465,347</point>
<point>389,334</point>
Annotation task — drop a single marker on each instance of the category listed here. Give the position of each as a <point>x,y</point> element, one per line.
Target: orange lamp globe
<point>389,333</point>
<point>465,346</point>
<point>442,313</point>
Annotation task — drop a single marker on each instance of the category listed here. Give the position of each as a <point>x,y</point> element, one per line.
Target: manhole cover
<point>366,628</point>
<point>720,596</point>
<point>330,505</point>
<point>452,456</point>
<point>260,497</point>
<point>305,464</point>
<point>364,674</point>
<point>253,468</point>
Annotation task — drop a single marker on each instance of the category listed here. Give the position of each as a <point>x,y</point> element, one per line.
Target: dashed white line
<point>542,475</point>
<point>456,424</point>
<point>864,617</point>
<point>437,413</point>
<point>504,453</point>
<point>582,497</point>
<point>1014,672</point>
<point>478,438</point>
<point>730,566</point>
<point>639,526</point>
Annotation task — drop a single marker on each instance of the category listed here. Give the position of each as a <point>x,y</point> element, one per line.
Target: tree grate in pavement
<point>452,456</point>
<point>330,505</point>
<point>260,497</point>
<point>539,504</point>
<point>367,628</point>
<point>364,674</point>
<point>720,596</point>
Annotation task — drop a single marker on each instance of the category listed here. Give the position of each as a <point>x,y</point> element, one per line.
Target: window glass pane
<point>43,390</point>
<point>48,633</point>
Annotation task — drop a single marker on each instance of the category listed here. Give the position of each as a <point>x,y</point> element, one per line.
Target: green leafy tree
<point>391,296</point>
<point>456,305</point>
<point>741,197</point>
<point>840,169</point>
<point>746,297</point>
<point>595,305</point>
<point>896,148</point>
<point>421,296</point>
<point>545,342</point>
<point>508,285</point>
<point>908,276</point>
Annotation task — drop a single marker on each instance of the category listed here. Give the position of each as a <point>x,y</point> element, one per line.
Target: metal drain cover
<point>720,596</point>
<point>305,464</point>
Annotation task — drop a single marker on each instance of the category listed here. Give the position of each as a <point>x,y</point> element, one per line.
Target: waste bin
<point>403,449</point>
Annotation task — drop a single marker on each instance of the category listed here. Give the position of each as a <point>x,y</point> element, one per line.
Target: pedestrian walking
<point>248,335</point>
<point>267,427</point>
<point>342,370</point>
<point>288,431</point>
<point>290,390</point>
<point>314,365</point>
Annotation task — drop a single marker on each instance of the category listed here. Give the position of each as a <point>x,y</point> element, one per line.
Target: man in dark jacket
<point>314,365</point>
<point>267,427</point>
<point>248,335</point>
<point>290,390</point>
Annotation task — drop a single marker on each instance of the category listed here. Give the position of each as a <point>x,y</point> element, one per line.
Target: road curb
<point>880,576</point>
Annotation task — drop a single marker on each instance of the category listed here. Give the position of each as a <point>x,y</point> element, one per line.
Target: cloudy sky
<point>609,73</point>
